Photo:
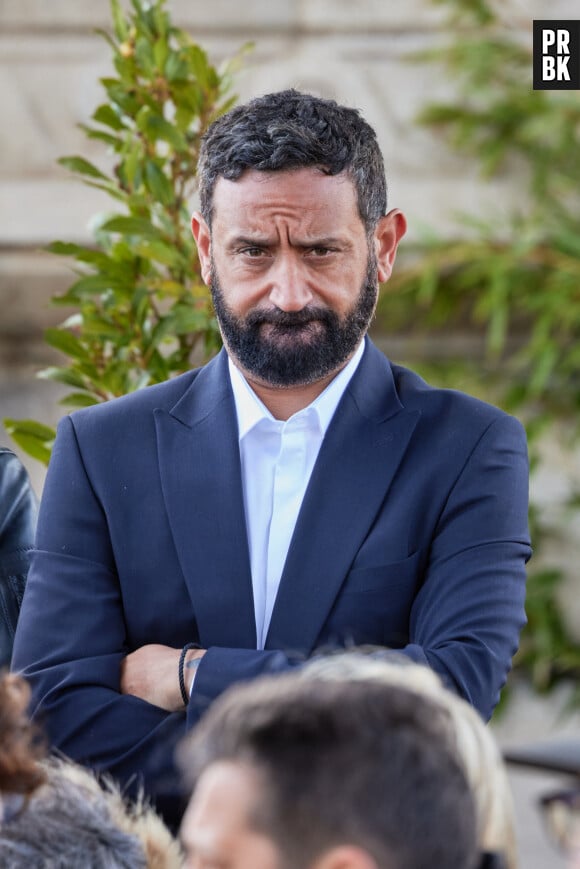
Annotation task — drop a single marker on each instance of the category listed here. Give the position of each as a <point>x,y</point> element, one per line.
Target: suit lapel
<point>359,457</point>
<point>201,480</point>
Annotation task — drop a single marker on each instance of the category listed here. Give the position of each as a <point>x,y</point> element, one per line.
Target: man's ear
<point>202,235</point>
<point>388,233</point>
<point>345,857</point>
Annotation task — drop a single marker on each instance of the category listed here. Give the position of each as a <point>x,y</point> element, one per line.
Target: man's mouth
<point>305,329</point>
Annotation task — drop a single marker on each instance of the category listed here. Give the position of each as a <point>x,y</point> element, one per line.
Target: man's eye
<point>320,251</point>
<point>252,252</point>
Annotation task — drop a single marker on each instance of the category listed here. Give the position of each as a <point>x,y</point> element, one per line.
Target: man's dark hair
<point>293,130</point>
<point>354,763</point>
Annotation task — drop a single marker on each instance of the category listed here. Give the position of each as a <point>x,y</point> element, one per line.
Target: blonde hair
<point>477,750</point>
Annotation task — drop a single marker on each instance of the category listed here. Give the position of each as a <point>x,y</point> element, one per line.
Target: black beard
<point>295,348</point>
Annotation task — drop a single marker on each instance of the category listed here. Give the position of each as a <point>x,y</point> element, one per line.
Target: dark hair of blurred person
<point>291,773</point>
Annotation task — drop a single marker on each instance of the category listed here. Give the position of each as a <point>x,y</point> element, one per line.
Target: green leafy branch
<point>141,310</point>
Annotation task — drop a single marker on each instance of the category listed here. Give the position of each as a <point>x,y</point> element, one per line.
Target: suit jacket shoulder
<point>382,389</point>
<point>416,394</point>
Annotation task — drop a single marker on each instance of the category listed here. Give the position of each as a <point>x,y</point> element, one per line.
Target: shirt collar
<point>251,411</point>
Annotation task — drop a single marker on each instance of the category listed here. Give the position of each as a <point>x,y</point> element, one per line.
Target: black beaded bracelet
<point>184,651</point>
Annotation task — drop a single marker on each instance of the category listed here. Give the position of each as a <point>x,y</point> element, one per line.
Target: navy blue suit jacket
<point>412,535</point>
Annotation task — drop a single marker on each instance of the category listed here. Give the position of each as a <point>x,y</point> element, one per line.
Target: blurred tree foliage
<point>515,281</point>
<point>140,306</point>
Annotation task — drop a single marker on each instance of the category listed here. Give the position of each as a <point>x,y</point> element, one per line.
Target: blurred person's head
<point>74,819</point>
<point>477,750</point>
<point>290,773</point>
<point>64,825</point>
<point>56,814</point>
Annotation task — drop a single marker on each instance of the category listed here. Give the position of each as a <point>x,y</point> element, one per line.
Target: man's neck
<point>283,402</point>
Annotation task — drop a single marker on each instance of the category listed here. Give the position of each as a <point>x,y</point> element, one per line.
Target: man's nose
<point>289,284</point>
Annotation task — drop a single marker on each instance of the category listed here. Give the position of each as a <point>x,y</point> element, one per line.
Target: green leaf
<point>106,36</point>
<point>175,68</point>
<point>110,189</point>
<point>64,248</point>
<point>119,23</point>
<point>107,116</point>
<point>62,375</point>
<point>133,226</point>
<point>162,253</point>
<point>156,127</point>
<point>184,117</point>
<point>200,67</point>
<point>122,98</point>
<point>130,170</point>
<point>161,19</point>
<point>66,342</point>
<point>159,184</point>
<point>100,328</point>
<point>92,284</point>
<point>427,286</point>
<point>160,52</point>
<point>79,399</point>
<point>543,368</point>
<point>33,437</point>
<point>181,320</point>
<point>30,427</point>
<point>101,136</point>
<point>82,167</point>
<point>144,55</point>
<point>103,262</point>
<point>35,448</point>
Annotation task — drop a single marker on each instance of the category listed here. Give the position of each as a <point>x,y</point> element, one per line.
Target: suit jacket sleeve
<point>467,617</point>
<point>468,564</point>
<point>74,631</point>
<point>71,636</point>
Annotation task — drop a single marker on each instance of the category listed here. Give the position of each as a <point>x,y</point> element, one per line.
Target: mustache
<point>290,319</point>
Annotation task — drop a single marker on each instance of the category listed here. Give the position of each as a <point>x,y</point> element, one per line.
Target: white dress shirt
<point>277,459</point>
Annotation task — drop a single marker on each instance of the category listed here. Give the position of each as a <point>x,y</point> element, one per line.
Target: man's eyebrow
<point>263,241</point>
<point>323,241</point>
<point>251,241</point>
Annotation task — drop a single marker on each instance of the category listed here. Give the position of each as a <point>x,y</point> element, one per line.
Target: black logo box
<point>551,46</point>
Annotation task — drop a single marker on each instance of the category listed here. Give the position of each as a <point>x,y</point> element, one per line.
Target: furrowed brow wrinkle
<point>259,241</point>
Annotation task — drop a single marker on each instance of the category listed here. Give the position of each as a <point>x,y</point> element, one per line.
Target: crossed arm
<point>112,700</point>
<point>151,673</point>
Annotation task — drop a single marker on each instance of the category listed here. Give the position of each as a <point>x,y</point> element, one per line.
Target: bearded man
<point>298,492</point>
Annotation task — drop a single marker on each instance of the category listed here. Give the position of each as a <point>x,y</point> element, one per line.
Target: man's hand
<point>151,673</point>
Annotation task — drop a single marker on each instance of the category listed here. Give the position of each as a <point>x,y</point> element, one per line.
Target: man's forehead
<point>219,822</point>
<point>228,787</point>
<point>306,194</point>
<point>254,182</point>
